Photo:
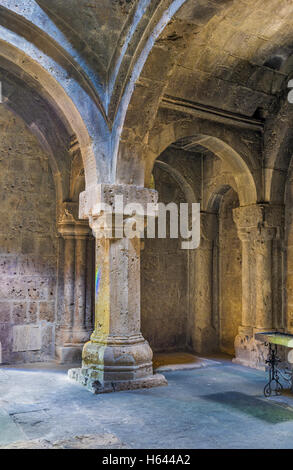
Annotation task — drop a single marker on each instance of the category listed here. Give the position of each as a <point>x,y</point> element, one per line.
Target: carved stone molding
<point>258,215</point>
<point>208,226</point>
<point>90,199</point>
<point>113,215</point>
<point>68,223</point>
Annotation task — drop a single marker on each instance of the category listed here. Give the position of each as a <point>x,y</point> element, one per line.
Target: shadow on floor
<point>249,405</point>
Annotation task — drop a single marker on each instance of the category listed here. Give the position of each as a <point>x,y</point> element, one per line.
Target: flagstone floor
<point>217,406</point>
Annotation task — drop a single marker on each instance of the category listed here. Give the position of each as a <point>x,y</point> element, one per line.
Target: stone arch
<point>40,81</point>
<point>35,27</point>
<point>77,180</point>
<point>53,161</point>
<point>165,323</point>
<point>238,165</point>
<point>278,146</point>
<point>179,178</point>
<point>162,15</point>
<point>227,263</point>
<point>43,122</point>
<point>216,197</point>
<point>171,26</point>
<point>148,83</point>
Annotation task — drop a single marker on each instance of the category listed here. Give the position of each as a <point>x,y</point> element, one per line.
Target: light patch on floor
<point>163,362</point>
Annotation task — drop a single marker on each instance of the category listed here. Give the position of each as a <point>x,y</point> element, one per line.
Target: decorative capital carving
<point>90,200</point>
<point>69,226</point>
<point>110,206</point>
<point>259,221</point>
<point>67,214</point>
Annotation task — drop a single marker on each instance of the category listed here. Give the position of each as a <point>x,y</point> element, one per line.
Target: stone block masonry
<point>28,246</point>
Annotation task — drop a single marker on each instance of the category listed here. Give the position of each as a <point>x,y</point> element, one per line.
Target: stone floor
<point>219,406</point>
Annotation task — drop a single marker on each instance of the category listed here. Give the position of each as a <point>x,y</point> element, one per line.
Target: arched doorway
<point>191,299</point>
<point>165,277</point>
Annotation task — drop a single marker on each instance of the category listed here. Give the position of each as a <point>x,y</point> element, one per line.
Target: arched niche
<point>165,272</point>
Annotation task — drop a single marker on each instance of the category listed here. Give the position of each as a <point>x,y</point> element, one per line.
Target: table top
<point>275,337</point>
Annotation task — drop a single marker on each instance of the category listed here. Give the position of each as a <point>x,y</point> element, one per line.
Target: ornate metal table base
<point>272,339</point>
<point>274,385</point>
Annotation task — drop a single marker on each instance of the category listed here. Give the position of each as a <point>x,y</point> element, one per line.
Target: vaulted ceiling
<point>122,63</point>
<point>230,54</point>
<point>96,28</point>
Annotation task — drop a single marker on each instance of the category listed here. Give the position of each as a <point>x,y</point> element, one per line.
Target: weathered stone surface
<point>199,84</point>
<point>164,281</point>
<point>28,256</point>
<point>87,441</point>
<point>26,338</point>
<point>230,274</point>
<point>91,379</point>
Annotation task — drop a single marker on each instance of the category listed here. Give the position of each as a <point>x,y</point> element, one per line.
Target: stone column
<point>79,331</point>
<point>246,323</point>
<point>69,264</point>
<point>73,334</point>
<point>258,226</point>
<point>117,357</point>
<point>263,279</point>
<point>89,311</point>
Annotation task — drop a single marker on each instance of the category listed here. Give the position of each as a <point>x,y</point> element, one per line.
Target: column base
<point>80,336</point>
<point>69,354</point>
<point>114,363</point>
<point>250,352</point>
<point>90,379</point>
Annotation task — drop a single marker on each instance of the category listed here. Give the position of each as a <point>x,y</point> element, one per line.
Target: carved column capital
<point>259,221</point>
<point>115,204</point>
<point>68,224</point>
<point>90,200</point>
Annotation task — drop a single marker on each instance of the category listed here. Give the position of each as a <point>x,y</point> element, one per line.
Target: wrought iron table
<point>272,340</point>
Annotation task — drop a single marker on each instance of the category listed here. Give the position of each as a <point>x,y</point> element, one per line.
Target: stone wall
<point>164,281</point>
<point>28,245</point>
<point>173,307</point>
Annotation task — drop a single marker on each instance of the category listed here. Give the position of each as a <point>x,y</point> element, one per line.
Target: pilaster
<point>73,330</point>
<point>259,226</point>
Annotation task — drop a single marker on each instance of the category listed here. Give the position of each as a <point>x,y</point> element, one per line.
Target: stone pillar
<point>246,239</point>
<point>117,357</point>
<point>89,310</point>
<point>258,227</point>
<point>263,279</point>
<point>80,334</point>
<point>205,338</point>
<point>69,264</point>
<point>73,333</point>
